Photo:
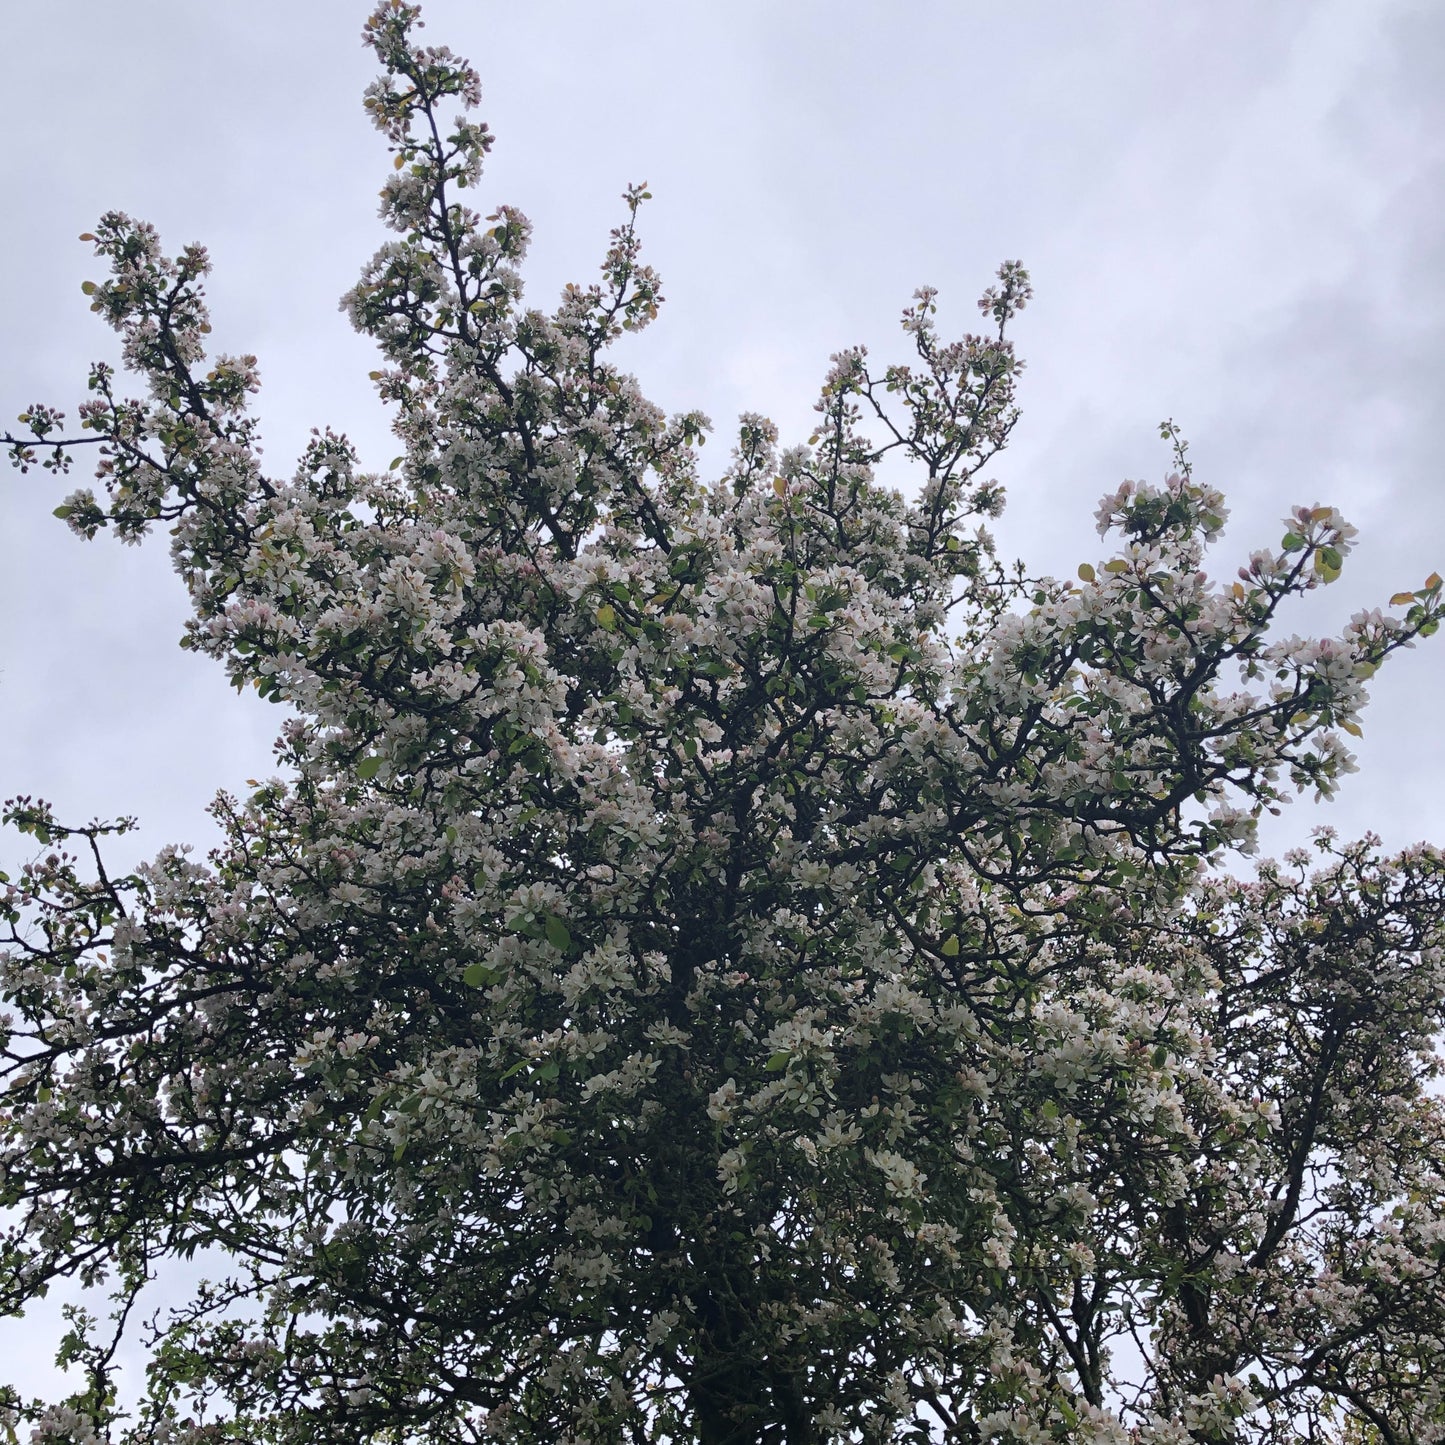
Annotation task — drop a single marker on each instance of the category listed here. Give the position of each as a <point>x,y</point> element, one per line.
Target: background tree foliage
<point>726,959</point>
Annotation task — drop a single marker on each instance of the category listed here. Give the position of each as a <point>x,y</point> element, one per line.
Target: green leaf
<point>478,975</point>
<point>1292,542</point>
<point>558,934</point>
<point>1116,566</point>
<point>950,947</point>
<point>62,512</point>
<point>1160,1056</point>
<point>607,617</point>
<point>778,1062</point>
<point>1086,572</point>
<point>1049,1109</point>
<point>368,768</point>
<point>87,288</point>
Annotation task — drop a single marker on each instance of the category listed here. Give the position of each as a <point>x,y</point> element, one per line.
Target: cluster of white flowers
<point>725,959</point>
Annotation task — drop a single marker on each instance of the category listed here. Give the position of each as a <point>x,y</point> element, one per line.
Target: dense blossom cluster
<point>724,960</point>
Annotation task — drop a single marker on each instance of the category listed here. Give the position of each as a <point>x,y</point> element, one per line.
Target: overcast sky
<point>1232,211</point>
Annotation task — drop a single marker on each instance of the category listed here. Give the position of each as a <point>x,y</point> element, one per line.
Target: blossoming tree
<point>726,959</point>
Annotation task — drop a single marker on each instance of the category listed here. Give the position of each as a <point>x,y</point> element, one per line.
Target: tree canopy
<point>726,957</point>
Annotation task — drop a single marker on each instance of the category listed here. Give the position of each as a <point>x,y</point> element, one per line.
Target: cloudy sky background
<point>1232,212</point>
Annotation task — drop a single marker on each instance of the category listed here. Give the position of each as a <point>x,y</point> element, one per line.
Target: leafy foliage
<point>726,960</point>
